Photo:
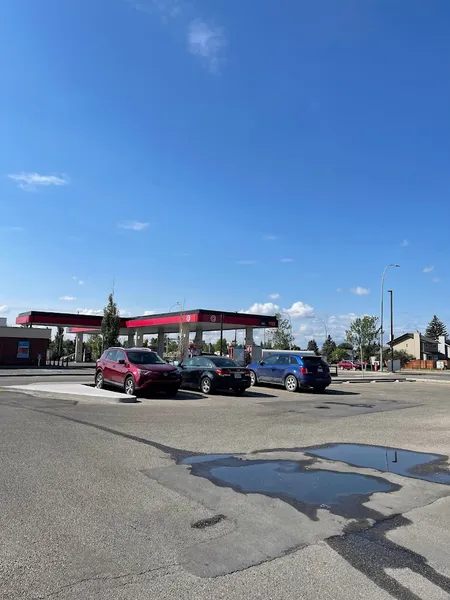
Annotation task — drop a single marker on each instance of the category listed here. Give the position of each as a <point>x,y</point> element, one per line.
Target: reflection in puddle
<point>419,465</point>
<point>295,482</point>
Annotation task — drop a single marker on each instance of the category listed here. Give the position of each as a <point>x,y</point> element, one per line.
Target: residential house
<point>422,347</point>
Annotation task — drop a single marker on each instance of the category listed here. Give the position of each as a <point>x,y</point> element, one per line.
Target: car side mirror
<point>121,361</point>
<point>261,362</point>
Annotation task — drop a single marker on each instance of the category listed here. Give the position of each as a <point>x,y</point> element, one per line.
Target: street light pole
<point>381,313</point>
<point>391,294</point>
<point>325,327</point>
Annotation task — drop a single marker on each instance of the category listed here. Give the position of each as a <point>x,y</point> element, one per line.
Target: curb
<point>392,380</point>
<point>50,374</point>
<point>78,397</point>
<point>373,380</point>
<point>426,380</point>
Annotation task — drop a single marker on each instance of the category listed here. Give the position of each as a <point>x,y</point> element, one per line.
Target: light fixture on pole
<point>325,327</point>
<point>381,313</point>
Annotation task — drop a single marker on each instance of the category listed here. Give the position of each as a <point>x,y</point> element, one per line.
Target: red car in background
<point>349,365</point>
<point>134,369</point>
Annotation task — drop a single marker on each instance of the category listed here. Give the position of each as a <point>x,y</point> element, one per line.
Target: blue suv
<point>294,371</point>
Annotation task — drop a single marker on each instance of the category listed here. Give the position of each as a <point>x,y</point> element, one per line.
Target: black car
<point>211,373</point>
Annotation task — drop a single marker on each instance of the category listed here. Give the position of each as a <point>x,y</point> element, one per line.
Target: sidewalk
<point>73,370</point>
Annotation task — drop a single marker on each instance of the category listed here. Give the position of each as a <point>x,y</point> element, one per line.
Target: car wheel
<point>319,389</point>
<point>129,386</point>
<point>206,385</point>
<point>253,378</point>
<point>291,383</point>
<point>99,380</point>
<point>171,391</point>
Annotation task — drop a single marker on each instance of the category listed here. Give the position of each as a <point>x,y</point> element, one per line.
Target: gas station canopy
<point>193,320</point>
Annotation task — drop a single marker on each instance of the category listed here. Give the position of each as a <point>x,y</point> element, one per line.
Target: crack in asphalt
<point>106,578</point>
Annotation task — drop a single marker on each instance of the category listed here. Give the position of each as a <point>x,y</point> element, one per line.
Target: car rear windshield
<point>223,362</point>
<point>313,360</point>
<point>144,358</point>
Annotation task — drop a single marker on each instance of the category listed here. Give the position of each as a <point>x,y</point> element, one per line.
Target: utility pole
<point>391,294</point>
<point>381,313</point>
<point>221,334</point>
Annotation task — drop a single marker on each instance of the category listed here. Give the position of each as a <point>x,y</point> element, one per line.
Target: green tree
<point>346,346</point>
<point>281,338</point>
<point>363,334</point>
<point>403,357</point>
<point>224,346</point>
<point>68,347</point>
<point>328,347</point>
<point>95,343</point>
<point>110,324</point>
<point>57,345</point>
<point>436,328</point>
<point>312,346</point>
<point>171,345</point>
<point>339,354</point>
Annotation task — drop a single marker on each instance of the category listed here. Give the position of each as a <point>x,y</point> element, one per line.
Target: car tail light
<point>223,372</point>
<point>303,371</point>
<point>247,372</point>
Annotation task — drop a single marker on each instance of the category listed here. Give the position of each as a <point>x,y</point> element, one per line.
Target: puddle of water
<point>418,465</point>
<point>294,482</point>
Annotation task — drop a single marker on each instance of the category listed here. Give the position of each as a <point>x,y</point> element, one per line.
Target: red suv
<point>349,365</point>
<point>134,369</point>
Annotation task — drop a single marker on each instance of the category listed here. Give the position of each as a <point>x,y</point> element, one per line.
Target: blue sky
<point>236,154</point>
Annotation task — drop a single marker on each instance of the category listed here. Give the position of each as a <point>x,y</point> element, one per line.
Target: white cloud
<point>4,309</point>
<point>30,181</point>
<point>207,42</point>
<point>286,260</point>
<point>360,291</point>
<point>269,238</point>
<point>133,225</point>
<point>435,280</point>
<point>274,296</point>
<point>404,243</point>
<point>300,310</point>
<point>428,269</point>
<point>81,282</point>
<point>149,312</point>
<point>89,311</point>
<point>339,290</point>
<point>204,39</point>
<point>246,262</point>
<point>313,328</point>
<point>67,298</point>
<point>266,308</point>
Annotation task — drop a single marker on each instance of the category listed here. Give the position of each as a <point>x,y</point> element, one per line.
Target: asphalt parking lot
<point>271,495</point>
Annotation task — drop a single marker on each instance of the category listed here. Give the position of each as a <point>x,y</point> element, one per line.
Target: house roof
<point>401,338</point>
<point>410,336</point>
